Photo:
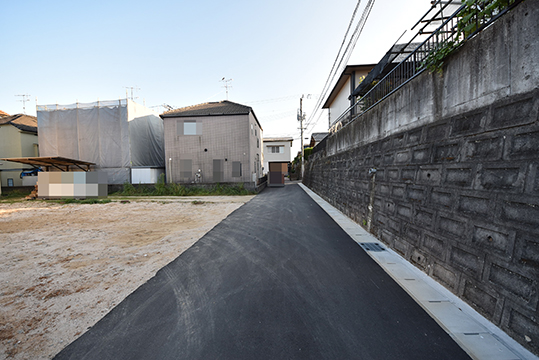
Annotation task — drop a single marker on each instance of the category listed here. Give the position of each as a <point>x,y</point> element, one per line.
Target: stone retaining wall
<point>446,172</point>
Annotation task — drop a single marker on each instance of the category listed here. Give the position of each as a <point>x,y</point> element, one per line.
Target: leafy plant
<point>471,18</point>
<point>307,152</point>
<point>129,189</point>
<point>15,194</point>
<point>434,61</point>
<point>162,189</point>
<point>160,186</point>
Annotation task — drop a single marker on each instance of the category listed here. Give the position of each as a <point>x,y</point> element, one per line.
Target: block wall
<point>457,195</point>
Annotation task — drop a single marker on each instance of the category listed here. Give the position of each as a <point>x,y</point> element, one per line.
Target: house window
<point>236,168</point>
<point>257,143</point>
<point>9,182</point>
<point>276,149</point>
<point>188,127</point>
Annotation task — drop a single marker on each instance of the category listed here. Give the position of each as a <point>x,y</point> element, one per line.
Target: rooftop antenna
<point>25,98</point>
<point>132,88</point>
<point>226,86</point>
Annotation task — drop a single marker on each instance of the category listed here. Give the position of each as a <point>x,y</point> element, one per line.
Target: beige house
<point>277,150</point>
<point>216,142</point>
<point>18,138</point>
<point>339,99</point>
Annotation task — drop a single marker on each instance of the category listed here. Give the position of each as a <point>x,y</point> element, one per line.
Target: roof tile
<point>21,121</point>
<point>212,108</point>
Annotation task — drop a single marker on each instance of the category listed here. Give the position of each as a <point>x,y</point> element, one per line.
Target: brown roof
<point>21,121</point>
<point>219,108</point>
<point>3,113</point>
<point>275,139</point>
<point>59,162</point>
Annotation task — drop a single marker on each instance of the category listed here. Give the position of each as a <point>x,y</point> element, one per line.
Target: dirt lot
<point>63,267</point>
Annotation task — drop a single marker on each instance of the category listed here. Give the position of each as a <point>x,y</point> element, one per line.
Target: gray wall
<point>456,190</point>
<point>226,138</point>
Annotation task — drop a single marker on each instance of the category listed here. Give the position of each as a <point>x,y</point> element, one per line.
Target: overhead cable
<point>343,59</point>
<point>331,73</point>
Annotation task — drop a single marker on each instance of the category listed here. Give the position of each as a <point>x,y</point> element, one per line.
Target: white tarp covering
<point>115,135</point>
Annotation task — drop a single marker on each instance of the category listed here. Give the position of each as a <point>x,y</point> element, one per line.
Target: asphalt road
<point>277,279</point>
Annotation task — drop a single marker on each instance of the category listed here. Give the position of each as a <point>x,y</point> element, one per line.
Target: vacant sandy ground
<point>63,267</point>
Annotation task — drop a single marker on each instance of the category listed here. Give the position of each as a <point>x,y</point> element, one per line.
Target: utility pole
<point>301,117</point>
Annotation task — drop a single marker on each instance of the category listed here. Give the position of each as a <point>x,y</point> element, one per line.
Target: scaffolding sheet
<point>115,135</point>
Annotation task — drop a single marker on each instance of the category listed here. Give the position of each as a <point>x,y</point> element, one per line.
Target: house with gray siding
<point>215,142</point>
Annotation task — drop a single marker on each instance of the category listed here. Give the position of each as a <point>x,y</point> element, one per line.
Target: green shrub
<point>307,152</point>
<point>174,189</point>
<point>160,187</point>
<point>15,194</point>
<point>128,189</point>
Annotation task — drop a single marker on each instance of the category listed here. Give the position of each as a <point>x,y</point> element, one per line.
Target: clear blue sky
<point>177,52</point>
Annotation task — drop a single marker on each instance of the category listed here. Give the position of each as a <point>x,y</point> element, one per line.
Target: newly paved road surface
<point>277,279</point>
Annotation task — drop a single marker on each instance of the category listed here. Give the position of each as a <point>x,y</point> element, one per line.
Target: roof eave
<point>348,70</point>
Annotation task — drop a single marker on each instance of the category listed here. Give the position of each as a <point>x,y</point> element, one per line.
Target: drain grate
<point>371,247</point>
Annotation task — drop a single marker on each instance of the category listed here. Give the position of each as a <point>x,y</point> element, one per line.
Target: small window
<point>276,149</point>
<point>190,127</point>
<point>236,168</point>
<point>257,143</point>
<point>10,182</point>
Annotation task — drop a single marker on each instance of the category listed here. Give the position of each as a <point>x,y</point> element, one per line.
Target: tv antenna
<point>226,86</point>
<point>25,98</point>
<point>132,88</point>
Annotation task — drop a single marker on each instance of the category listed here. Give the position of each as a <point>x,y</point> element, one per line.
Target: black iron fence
<point>455,22</point>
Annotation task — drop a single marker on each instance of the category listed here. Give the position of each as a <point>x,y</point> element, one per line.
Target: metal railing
<point>465,19</point>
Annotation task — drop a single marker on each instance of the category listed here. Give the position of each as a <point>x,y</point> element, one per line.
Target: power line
<point>314,123</point>
<point>284,98</point>
<point>273,117</point>
<point>358,30</point>
<point>331,75</point>
<point>343,60</point>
